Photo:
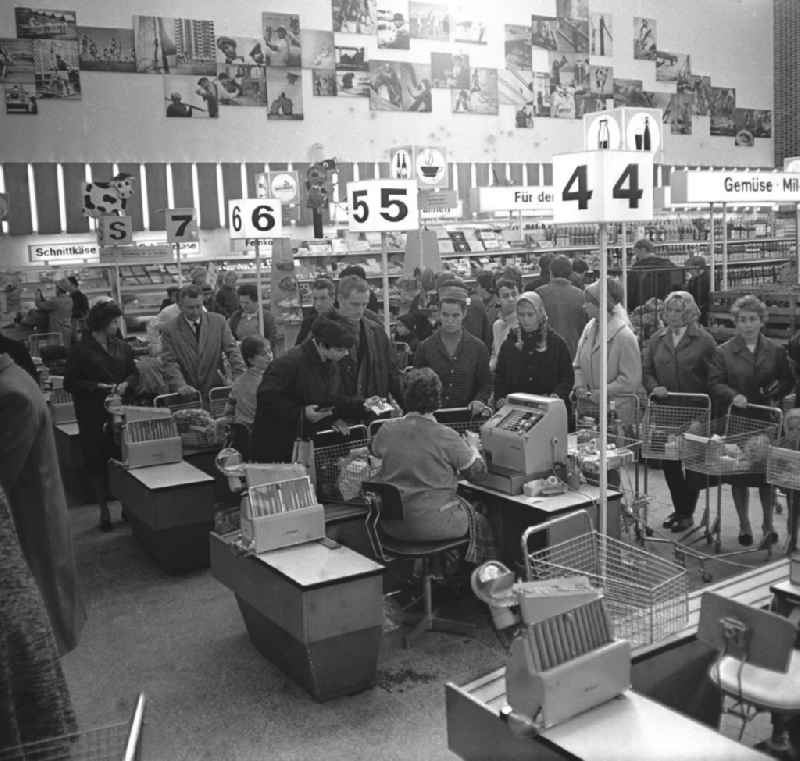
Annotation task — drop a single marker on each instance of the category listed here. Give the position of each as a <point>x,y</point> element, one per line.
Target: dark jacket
<point>30,476</point>
<point>700,287</point>
<point>529,371</point>
<point>465,378</point>
<point>270,328</point>
<point>682,368</point>
<point>226,301</point>
<point>291,382</point>
<point>762,376</point>
<point>375,373</point>
<point>80,305</point>
<point>17,351</point>
<point>305,327</point>
<point>476,321</point>
<point>563,303</point>
<point>89,364</point>
<point>652,277</point>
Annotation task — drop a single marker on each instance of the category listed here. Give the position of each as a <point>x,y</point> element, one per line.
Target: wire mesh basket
<point>645,595</point>
<point>460,419</point>
<point>667,419</point>
<point>738,444</point>
<point>403,353</point>
<point>783,466</point>
<point>116,742</point>
<point>37,340</point>
<point>175,402</point>
<point>331,452</point>
<point>217,399</point>
<point>622,436</point>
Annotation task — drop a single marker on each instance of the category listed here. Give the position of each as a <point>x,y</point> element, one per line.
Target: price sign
<point>382,205</point>
<point>114,231</point>
<point>603,186</point>
<point>255,218</point>
<point>181,225</point>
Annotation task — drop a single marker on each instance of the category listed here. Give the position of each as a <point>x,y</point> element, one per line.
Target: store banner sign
<point>435,200</point>
<point>79,251</point>
<point>735,187</point>
<point>513,198</point>
<point>147,252</point>
<point>602,186</point>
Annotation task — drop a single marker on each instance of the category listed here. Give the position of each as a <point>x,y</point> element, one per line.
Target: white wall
<point>120,117</point>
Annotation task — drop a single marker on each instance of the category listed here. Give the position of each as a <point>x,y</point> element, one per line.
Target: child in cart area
<point>240,410</point>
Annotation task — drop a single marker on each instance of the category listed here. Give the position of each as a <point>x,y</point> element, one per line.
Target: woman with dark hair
<point>98,365</point>
<point>424,460</point>
<point>533,359</point>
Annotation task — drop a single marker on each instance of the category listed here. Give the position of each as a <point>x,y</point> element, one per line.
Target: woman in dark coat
<point>34,700</point>
<point>676,360</point>
<point>750,369</point>
<point>534,359</point>
<point>300,391</point>
<point>98,365</point>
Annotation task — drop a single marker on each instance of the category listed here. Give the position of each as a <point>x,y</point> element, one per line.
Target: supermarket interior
<point>444,407</point>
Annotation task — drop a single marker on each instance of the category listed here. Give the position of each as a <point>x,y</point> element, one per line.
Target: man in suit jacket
<point>563,303</point>
<point>193,344</point>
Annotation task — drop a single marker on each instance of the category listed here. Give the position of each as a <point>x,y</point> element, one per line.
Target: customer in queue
<point>563,303</point>
<point>624,368</point>
<point>302,391</point>
<point>507,295</point>
<point>425,460</point>
<point>370,367</point>
<point>750,369</point>
<point>227,297</point>
<point>59,310</point>
<point>244,320</point>
<point>534,359</point>
<point>676,360</point>
<point>193,344</point>
<point>476,321</point>
<point>98,365</point>
<point>323,296</point>
<point>459,359</point>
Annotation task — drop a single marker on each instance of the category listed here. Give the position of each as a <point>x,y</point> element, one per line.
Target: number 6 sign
<point>602,186</point>
<point>375,206</point>
<point>255,218</point>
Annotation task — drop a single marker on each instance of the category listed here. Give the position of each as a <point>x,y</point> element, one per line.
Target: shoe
<point>670,520</point>
<point>682,523</point>
<point>745,539</point>
<point>768,540</point>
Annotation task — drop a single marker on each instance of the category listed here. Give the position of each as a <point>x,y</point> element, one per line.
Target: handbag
<point>303,453</point>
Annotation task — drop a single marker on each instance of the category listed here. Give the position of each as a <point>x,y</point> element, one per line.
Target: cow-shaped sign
<point>103,198</point>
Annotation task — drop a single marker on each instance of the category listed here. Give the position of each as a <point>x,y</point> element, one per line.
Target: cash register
<point>524,440</point>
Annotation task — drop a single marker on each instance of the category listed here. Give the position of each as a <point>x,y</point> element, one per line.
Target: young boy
<point>241,408</point>
<point>507,295</point>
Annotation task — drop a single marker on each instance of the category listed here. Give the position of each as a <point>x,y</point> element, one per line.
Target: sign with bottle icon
<point>624,129</point>
<point>602,186</point>
<point>401,163</point>
<point>425,164</point>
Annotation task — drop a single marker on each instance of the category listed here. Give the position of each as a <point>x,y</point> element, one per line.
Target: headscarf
<point>691,312</point>
<point>535,300</point>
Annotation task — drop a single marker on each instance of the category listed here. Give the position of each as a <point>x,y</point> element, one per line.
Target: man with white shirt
<point>507,295</point>
<point>193,344</point>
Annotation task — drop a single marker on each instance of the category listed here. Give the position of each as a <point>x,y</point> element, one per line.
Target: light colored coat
<point>187,362</point>
<point>624,361</point>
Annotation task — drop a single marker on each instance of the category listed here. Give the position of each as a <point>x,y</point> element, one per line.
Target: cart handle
<point>773,411</point>
<point>546,526</point>
<point>162,399</point>
<point>699,397</point>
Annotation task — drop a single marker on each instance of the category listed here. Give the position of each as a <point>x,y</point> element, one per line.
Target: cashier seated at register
<point>425,460</point>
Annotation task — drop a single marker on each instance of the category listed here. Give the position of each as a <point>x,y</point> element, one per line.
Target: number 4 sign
<point>602,186</point>
<point>382,205</point>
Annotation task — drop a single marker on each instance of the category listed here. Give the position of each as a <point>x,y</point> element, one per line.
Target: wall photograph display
<point>281,33</point>
<point>190,97</point>
<point>355,16</point>
<point>518,46</point>
<point>393,28</point>
<point>601,34</point>
<point>467,27</point>
<point>449,71</point>
<point>43,24</point>
<point>323,82</point>
<point>106,49</point>
<point>284,94</point>
<point>174,46</point>
<point>723,103</point>
<point>317,49</point>
<point>57,69</point>
<point>672,67</point>
<point>20,98</point>
<point>16,61</point>
<point>481,97</point>
<point>241,85</point>
<point>400,86</point>
<point>429,21</point>
<point>644,38</point>
<point>244,50</point>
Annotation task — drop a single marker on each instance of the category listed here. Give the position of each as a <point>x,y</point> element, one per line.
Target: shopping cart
<point>332,451</point>
<point>403,354</point>
<point>217,399</point>
<point>193,435</point>
<point>460,419</point>
<point>36,341</point>
<point>783,472</point>
<point>645,595</point>
<point>116,742</point>
<point>738,446</point>
<point>175,402</point>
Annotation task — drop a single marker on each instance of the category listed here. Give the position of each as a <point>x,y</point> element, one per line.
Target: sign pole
<point>797,241</point>
<point>259,297</point>
<point>624,263</point>
<point>724,246</point>
<point>385,281</point>
<point>178,259</point>
<point>118,287</point>
<point>603,320</point>
<point>712,259</point>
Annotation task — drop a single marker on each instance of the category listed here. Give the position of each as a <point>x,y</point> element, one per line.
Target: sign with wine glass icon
<point>624,129</point>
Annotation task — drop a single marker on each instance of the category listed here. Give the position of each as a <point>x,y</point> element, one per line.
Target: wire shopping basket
<point>783,466</point>
<point>217,399</point>
<point>668,418</point>
<point>332,453</point>
<point>645,595</point>
<point>460,419</point>
<point>38,340</point>
<point>176,401</point>
<point>738,444</point>
<point>116,742</point>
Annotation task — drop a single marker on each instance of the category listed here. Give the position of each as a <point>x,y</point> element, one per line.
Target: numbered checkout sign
<point>255,218</point>
<point>375,206</point>
<point>602,186</point>
<point>181,225</point>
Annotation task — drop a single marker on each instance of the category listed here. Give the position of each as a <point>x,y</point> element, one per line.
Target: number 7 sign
<point>181,225</point>
<point>602,186</point>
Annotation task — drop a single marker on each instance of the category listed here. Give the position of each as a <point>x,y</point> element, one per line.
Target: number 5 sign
<point>375,206</point>
<point>255,218</point>
<point>602,186</point>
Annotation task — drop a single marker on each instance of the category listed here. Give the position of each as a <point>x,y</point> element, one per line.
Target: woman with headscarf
<point>533,359</point>
<point>676,360</point>
<point>624,369</point>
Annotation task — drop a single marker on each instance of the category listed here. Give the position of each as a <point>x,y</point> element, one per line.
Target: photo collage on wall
<point>551,68</point>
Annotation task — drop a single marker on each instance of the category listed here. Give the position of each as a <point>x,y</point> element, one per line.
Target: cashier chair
<point>384,503</point>
<point>758,667</point>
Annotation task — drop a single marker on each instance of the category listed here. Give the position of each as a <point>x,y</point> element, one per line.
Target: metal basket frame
<point>672,415</point>
<point>35,342</point>
<point>783,467</point>
<point>645,595</point>
<point>464,420</point>
<point>326,461</point>
<point>218,399</point>
<point>176,401</point>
